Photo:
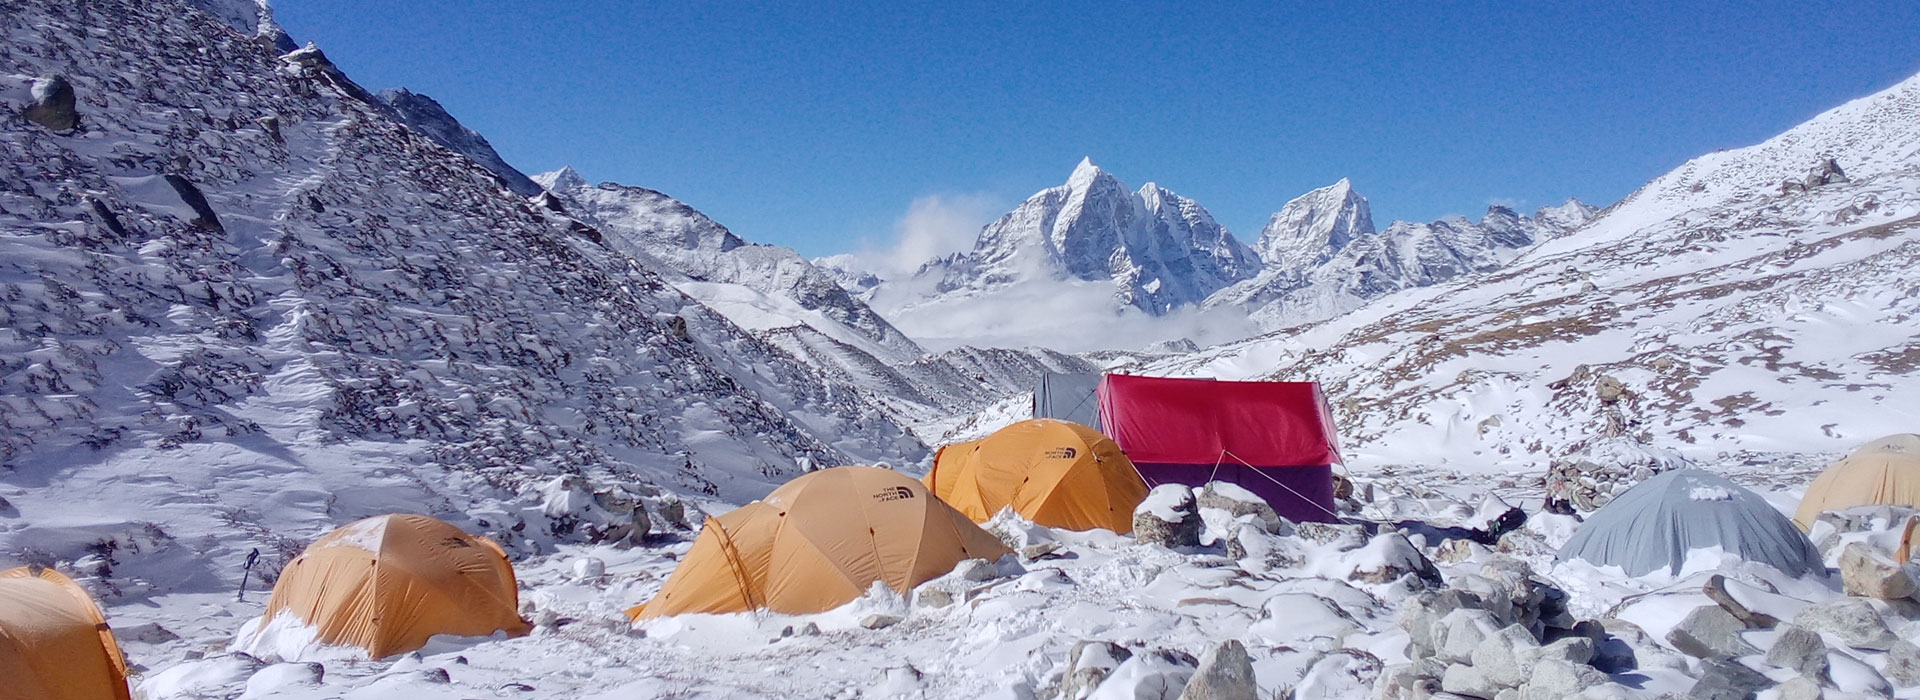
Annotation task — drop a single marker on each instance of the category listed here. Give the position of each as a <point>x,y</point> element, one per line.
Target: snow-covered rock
<point>1168,517</point>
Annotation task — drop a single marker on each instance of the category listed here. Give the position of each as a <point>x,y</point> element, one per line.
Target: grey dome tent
<point>1658,521</point>
<point>1068,397</point>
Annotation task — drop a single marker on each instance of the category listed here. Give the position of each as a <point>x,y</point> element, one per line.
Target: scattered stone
<point>1800,688</point>
<point>674,512</point>
<point>435,675</point>
<point>1724,679</point>
<point>204,218</point>
<point>810,630</point>
<point>1456,635</point>
<point>1168,517</point>
<point>271,125</point>
<point>1225,673</point>
<point>930,597</point>
<point>1345,537</point>
<point>1865,571</point>
<point>1553,679</point>
<point>976,570</point>
<point>1468,680</point>
<point>1507,657</point>
<point>1851,619</point>
<point>1799,649</point>
<point>1825,172</point>
<point>1716,588</point>
<point>1089,663</point>
<point>879,621</point>
<point>53,104</point>
<point>1710,632</point>
<point>1239,501</point>
<point>1393,556</point>
<point>149,633</point>
<point>1903,664</point>
<point>1038,550</point>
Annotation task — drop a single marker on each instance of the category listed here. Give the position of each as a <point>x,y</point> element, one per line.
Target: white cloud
<point>933,225</point>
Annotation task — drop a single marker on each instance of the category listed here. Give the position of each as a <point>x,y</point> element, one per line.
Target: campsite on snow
<point>306,393</point>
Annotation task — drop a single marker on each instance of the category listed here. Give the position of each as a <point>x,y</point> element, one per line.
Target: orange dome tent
<point>54,644</point>
<point>1883,472</point>
<point>388,583</point>
<point>817,543</point>
<point>1056,473</point>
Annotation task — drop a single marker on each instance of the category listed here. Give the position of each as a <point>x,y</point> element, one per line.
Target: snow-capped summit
<point>1160,250</point>
<point>566,179</point>
<point>1313,227</point>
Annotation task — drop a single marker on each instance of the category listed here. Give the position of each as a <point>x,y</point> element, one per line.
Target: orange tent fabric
<point>1883,472</point>
<point>388,583</point>
<point>54,644</point>
<point>817,543</point>
<point>1054,472</point>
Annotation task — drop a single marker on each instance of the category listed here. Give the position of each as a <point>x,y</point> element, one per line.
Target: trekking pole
<point>252,557</point>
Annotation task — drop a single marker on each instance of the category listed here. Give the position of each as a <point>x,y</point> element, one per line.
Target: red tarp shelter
<point>1275,439</point>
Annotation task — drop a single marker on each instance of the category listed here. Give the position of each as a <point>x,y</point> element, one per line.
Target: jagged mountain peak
<point>1085,173</point>
<point>1314,226</point>
<point>562,180</point>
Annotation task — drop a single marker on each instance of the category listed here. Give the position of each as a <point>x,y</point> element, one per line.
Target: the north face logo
<point>893,493</point>
<point>1062,453</point>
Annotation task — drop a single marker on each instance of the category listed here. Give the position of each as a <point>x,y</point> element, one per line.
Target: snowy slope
<point>1750,301</point>
<point>243,304</point>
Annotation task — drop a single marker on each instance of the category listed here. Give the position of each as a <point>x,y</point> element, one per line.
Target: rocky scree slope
<point>426,116</point>
<point>1759,300</point>
<point>240,304</point>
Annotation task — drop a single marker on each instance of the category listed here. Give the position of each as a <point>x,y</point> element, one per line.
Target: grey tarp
<point>1655,523</point>
<point>1068,397</point>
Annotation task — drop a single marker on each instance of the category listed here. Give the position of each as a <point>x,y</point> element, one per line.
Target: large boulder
<point>1800,649</point>
<point>1716,589</point>
<point>1225,673</point>
<point>1903,664</point>
<point>53,104</point>
<point>1471,681</point>
<point>1725,679</point>
<point>1865,571</point>
<point>1710,632</point>
<point>1508,657</point>
<point>1456,635</point>
<point>1168,517</point>
<point>1851,619</point>
<point>1239,501</point>
<point>1089,663</point>
<point>1553,679</point>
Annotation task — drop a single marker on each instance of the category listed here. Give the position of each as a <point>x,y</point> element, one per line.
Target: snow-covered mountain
<point>428,117</point>
<point>1323,257</point>
<point>1158,250</point>
<point>1753,300</point>
<point>241,303</point>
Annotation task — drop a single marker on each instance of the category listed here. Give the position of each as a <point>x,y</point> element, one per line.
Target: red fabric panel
<point>1193,421</point>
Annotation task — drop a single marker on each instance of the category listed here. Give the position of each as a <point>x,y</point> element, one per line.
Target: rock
<point>810,630</point>
<point>674,512</point>
<point>1851,619</point>
<point>435,675</point>
<point>1800,688</point>
<point>1089,663</point>
<point>1507,657</point>
<point>1710,632</point>
<point>1800,649</point>
<point>1038,550</point>
<point>1903,664</point>
<point>1168,517</point>
<point>1727,680</point>
<point>1553,679</point>
<point>589,567</point>
<point>879,621</point>
<point>1456,635</point>
<point>976,570</point>
<point>1239,501</point>
<point>1867,572</point>
<point>1343,536</point>
<point>1391,556</point>
<point>1852,675</point>
<point>930,597</point>
<point>1825,172</point>
<point>1225,673</point>
<point>1716,588</point>
<point>53,104</point>
<point>1573,650</point>
<point>1470,681</point>
<point>150,633</point>
<point>204,218</point>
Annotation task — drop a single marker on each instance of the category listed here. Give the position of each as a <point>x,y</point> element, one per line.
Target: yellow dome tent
<point>388,583</point>
<point>1054,472</point>
<point>817,543</point>
<point>54,644</point>
<point>1883,472</point>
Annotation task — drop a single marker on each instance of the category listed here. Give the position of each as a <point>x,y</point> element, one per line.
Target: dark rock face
<point>204,219</point>
<point>53,104</point>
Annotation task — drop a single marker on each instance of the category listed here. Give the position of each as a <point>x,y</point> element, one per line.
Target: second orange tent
<point>1053,472</point>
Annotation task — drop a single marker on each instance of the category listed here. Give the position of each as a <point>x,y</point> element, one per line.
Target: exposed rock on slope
<point>372,324</point>
<point>428,117</point>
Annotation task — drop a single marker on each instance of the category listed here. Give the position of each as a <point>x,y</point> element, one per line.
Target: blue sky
<point>818,125</point>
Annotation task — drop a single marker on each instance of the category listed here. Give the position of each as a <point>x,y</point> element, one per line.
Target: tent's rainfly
<point>1056,473</point>
<point>1655,524</point>
<point>1883,472</point>
<point>817,543</point>
<point>388,583</point>
<point>1069,397</point>
<point>54,644</point>
<point>1275,439</point>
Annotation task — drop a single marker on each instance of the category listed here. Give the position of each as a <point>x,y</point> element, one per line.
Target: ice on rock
<point>1155,674</point>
